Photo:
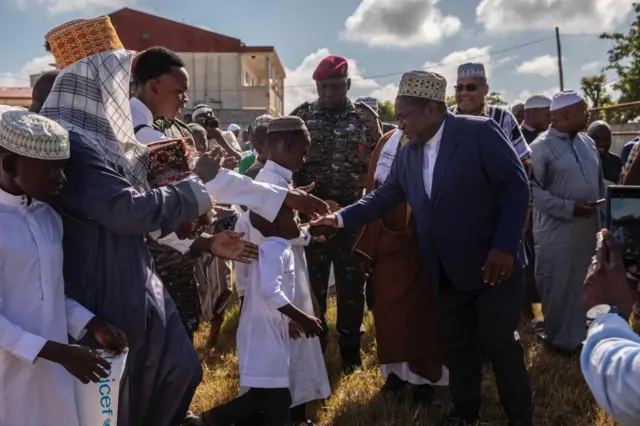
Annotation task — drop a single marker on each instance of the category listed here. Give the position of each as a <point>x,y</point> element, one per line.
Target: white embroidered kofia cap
<point>32,135</point>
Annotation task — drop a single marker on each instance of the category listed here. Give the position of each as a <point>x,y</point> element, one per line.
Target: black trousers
<point>270,406</point>
<point>350,287</point>
<point>482,323</point>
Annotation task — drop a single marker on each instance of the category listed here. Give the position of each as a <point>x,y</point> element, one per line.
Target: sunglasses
<point>470,87</point>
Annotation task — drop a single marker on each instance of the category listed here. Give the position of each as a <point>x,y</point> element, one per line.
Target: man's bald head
<point>600,132</point>
<point>41,90</point>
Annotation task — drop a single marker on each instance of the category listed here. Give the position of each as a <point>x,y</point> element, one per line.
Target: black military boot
<point>351,360</point>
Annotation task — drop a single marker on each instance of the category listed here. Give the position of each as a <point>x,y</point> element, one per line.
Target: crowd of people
<point>127,223</point>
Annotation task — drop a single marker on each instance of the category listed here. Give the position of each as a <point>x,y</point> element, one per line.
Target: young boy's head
<point>288,142</point>
<point>259,136</point>
<point>284,226</point>
<point>33,152</point>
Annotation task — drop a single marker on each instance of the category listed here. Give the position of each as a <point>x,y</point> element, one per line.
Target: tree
<point>387,111</point>
<point>594,89</point>
<point>450,101</point>
<point>624,59</point>
<point>494,99</point>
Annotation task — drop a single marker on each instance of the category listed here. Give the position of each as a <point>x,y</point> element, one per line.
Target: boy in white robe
<point>263,332</point>
<point>288,144</point>
<point>36,318</point>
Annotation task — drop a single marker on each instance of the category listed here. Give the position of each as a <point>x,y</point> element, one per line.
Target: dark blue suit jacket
<point>479,200</point>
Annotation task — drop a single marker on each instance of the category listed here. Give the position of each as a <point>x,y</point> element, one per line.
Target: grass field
<point>561,396</point>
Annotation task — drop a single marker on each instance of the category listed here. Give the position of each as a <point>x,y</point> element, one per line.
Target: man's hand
<point>333,206</point>
<point>321,233</point>
<point>230,163</point>
<point>607,281</point>
<point>107,335</point>
<point>299,199</point>
<point>583,210</point>
<point>230,245</point>
<point>295,330</point>
<point>311,326</point>
<point>83,363</point>
<point>330,221</point>
<point>498,267</point>
<point>209,164</point>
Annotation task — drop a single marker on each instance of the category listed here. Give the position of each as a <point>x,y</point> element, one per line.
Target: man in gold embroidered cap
<point>108,209</point>
<point>469,205</point>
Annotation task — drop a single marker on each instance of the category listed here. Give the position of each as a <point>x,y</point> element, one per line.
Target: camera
<point>212,123</point>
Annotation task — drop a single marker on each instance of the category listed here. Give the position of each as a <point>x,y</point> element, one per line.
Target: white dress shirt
<point>33,310</point>
<point>141,114</point>
<point>430,156</point>
<point>263,332</point>
<point>610,363</point>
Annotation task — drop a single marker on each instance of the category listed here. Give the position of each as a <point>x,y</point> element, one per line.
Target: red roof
<point>139,31</point>
<point>15,92</point>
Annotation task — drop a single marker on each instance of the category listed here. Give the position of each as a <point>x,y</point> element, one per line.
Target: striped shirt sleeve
<point>512,130</point>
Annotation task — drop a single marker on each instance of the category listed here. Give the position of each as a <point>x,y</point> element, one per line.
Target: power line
<point>434,66</point>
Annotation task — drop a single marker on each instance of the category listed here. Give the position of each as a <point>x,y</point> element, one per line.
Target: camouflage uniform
<point>341,145</point>
<point>177,270</point>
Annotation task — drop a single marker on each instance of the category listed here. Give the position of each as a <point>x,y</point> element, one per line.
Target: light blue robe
<point>565,171</point>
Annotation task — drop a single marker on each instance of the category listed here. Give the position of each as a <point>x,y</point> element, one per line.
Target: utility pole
<point>559,48</point>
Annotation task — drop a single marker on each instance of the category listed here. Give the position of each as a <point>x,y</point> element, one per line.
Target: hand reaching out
<point>230,245</point>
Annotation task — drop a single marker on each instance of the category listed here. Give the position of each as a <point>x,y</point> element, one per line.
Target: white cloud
<point>545,66</point>
<point>591,67</point>
<point>386,93</point>
<point>506,60</point>
<point>448,66</point>
<point>401,23</point>
<point>572,16</point>
<point>300,86</point>
<point>66,6</point>
<point>21,79</point>
<point>525,94</point>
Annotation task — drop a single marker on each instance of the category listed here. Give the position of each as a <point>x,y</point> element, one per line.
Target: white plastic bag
<point>97,403</point>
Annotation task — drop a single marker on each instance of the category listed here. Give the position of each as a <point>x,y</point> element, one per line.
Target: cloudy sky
<point>381,38</point>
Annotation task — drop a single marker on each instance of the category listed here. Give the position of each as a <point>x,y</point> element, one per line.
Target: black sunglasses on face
<point>471,87</point>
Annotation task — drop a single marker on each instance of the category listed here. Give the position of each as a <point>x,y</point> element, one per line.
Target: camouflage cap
<point>286,124</point>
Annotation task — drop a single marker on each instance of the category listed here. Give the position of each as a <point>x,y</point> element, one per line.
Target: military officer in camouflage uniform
<point>343,136</point>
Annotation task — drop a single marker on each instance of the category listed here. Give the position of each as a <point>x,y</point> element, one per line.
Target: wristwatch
<point>599,310</point>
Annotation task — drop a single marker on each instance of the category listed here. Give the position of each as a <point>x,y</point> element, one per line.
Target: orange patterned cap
<point>81,39</point>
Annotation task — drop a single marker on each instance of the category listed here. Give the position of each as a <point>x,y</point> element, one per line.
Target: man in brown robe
<point>405,315</point>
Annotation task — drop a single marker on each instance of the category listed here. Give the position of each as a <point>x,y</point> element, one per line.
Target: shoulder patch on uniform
<point>362,105</point>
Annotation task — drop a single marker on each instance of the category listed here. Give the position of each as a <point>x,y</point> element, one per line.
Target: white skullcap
<point>233,127</point>
<point>31,135</point>
<point>565,99</point>
<point>537,101</point>
<point>200,109</point>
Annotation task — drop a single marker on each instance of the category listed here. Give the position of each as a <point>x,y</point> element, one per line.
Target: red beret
<point>331,67</point>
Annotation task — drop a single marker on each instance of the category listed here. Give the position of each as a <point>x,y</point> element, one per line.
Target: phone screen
<point>624,223</point>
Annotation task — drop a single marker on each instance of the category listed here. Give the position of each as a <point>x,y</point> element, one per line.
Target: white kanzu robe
<point>34,309</point>
<point>308,373</point>
<point>263,332</point>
